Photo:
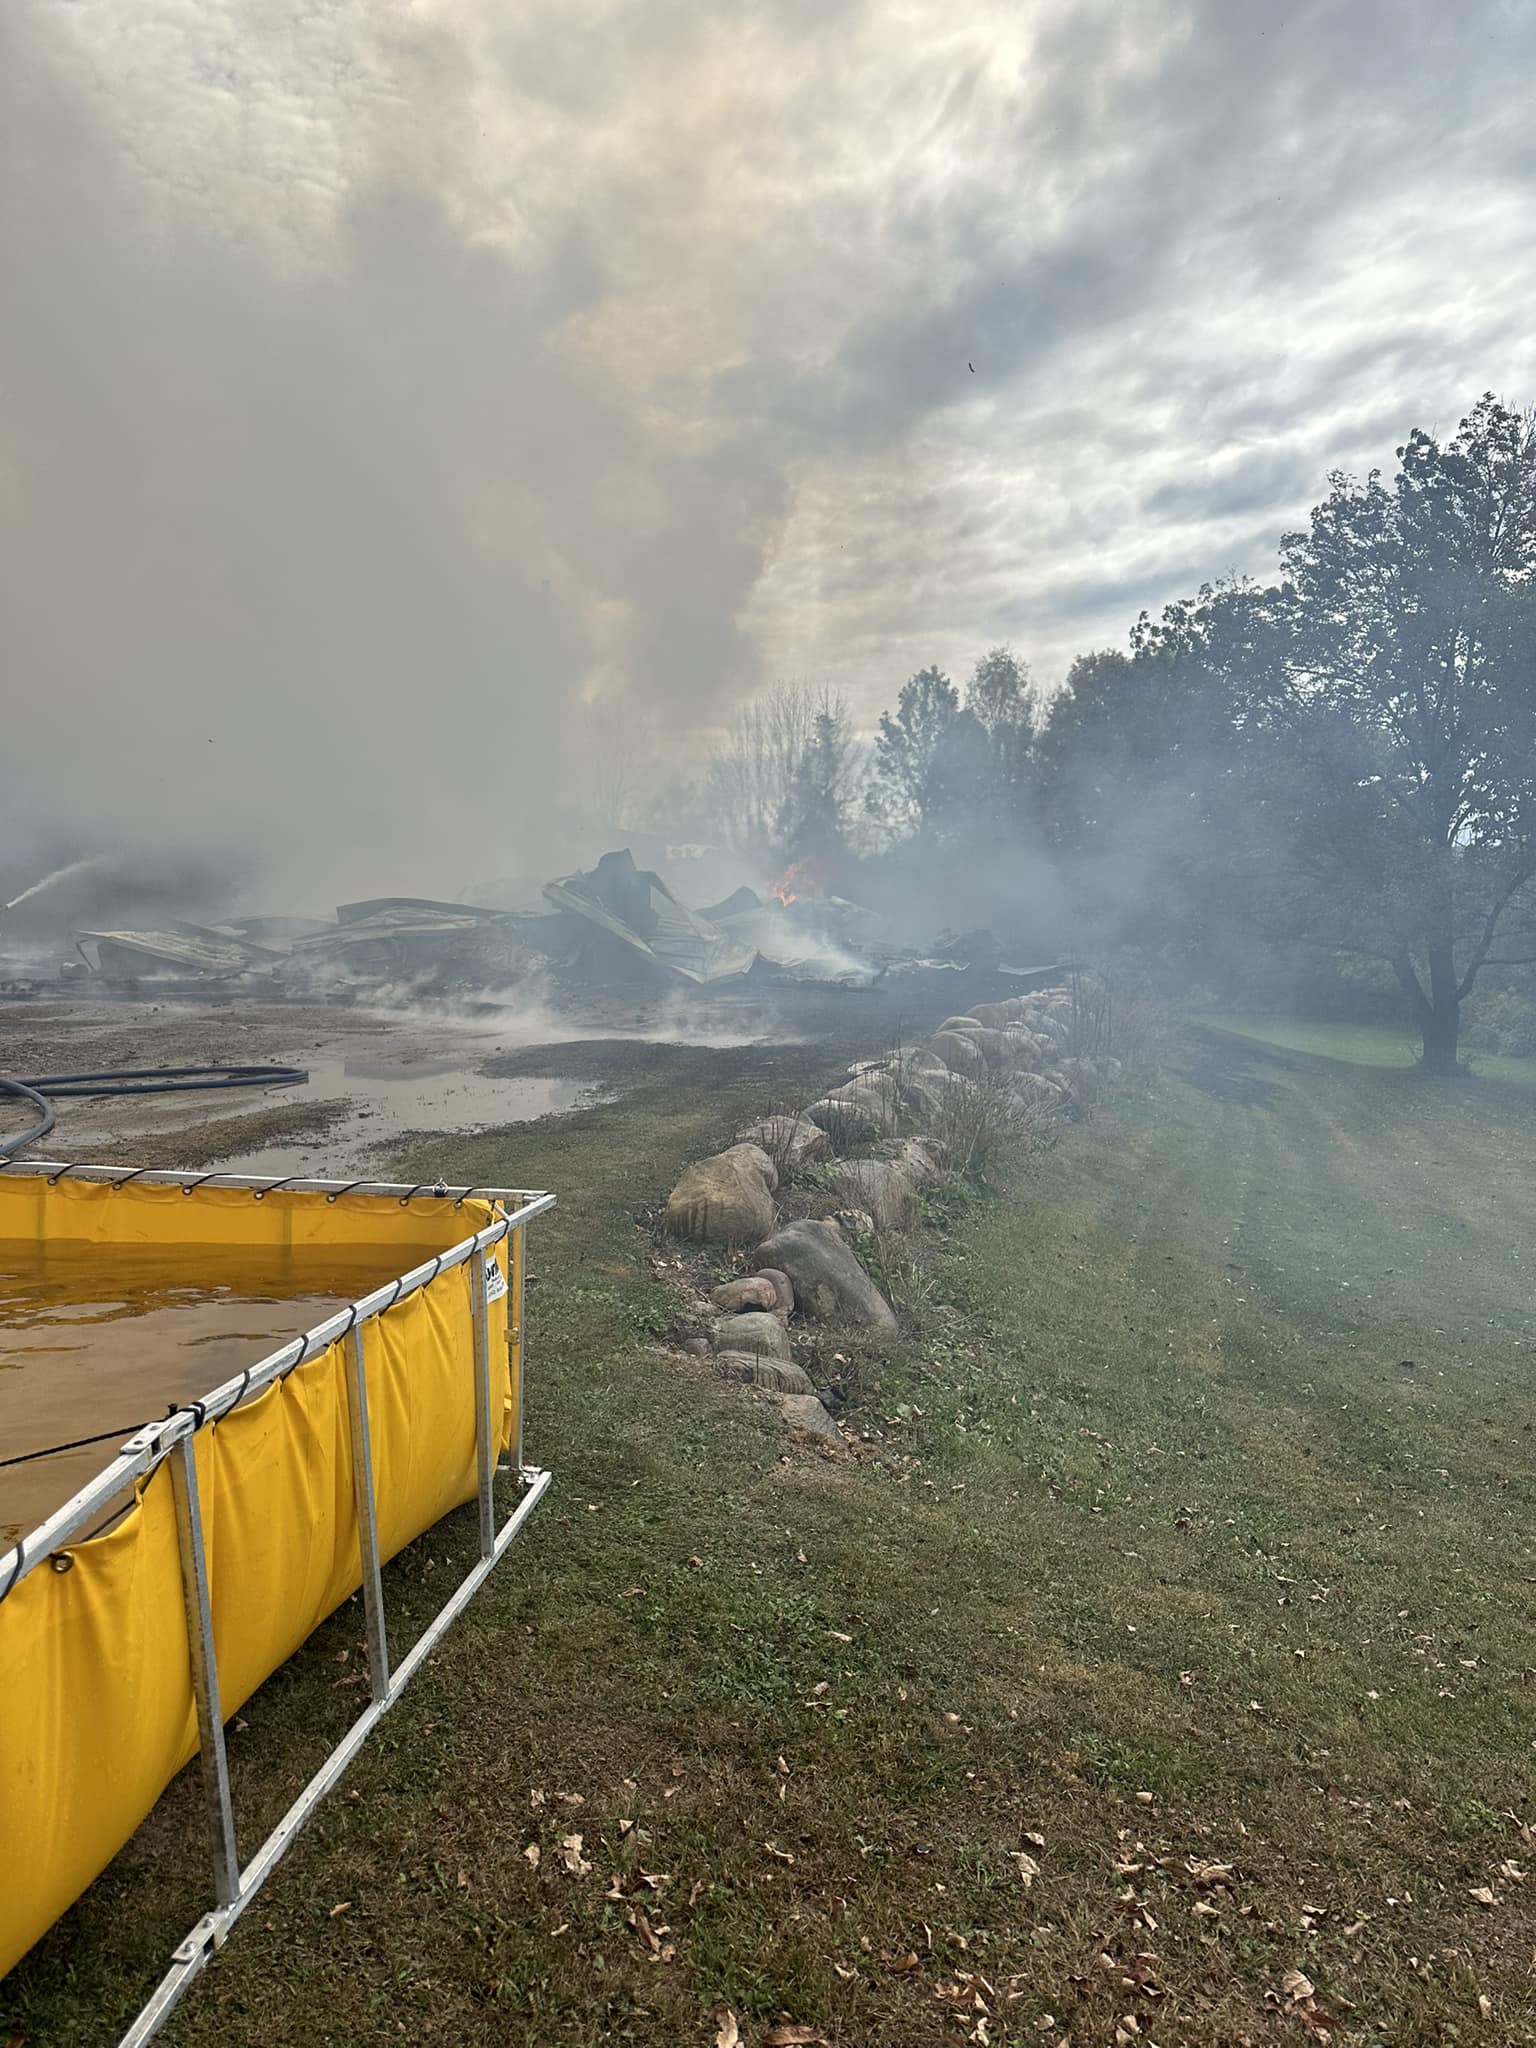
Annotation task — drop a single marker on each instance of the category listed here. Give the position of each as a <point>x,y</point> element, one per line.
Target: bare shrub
<point>885,1081</point>
<point>1141,1034</point>
<point>1091,1022</point>
<point>1112,1018</point>
<point>981,1127</point>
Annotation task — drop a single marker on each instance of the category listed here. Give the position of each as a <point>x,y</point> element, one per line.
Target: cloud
<point>399,406</point>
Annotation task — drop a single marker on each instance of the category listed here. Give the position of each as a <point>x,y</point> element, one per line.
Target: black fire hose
<point>26,1093</point>
<point>42,1093</point>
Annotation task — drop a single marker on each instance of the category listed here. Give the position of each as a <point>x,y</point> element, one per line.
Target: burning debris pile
<point>616,924</point>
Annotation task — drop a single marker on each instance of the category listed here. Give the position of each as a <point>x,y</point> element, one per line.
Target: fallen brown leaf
<point>727,2031</point>
<point>790,2036</point>
<point>642,1926</point>
<point>344,1907</point>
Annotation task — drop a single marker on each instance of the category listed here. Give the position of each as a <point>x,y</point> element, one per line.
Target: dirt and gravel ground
<point>379,1075</point>
<point>372,1075</point>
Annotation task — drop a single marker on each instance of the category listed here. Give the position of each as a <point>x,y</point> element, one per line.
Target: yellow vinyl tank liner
<point>412,1395</point>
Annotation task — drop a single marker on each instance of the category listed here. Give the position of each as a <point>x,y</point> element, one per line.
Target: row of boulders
<point>869,1147</point>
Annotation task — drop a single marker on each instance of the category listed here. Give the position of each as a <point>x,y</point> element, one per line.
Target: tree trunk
<point>1440,1017</point>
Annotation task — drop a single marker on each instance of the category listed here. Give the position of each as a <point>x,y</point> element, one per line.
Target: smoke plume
<point>404,411</point>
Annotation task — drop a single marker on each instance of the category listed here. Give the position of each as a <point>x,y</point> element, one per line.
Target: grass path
<point>1176,1630</point>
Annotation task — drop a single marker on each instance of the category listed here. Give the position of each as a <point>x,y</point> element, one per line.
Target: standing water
<point>104,1340</point>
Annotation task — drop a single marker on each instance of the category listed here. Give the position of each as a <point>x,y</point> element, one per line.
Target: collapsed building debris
<point>205,952</point>
<point>636,907</point>
<point>606,925</point>
<point>395,935</point>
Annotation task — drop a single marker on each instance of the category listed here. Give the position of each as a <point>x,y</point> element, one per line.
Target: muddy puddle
<point>107,1340</point>
<point>388,1097</point>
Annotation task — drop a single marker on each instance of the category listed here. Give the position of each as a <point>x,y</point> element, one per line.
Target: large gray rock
<point>791,1141</point>
<point>959,1052</point>
<point>775,1375</point>
<point>726,1198</point>
<point>754,1331</point>
<point>1027,1049</point>
<point>996,1015</point>
<point>1036,1092</point>
<point>851,1113</point>
<point>881,1187</point>
<point>966,1023</point>
<point>804,1414</point>
<point>919,1161</point>
<point>959,1095</point>
<point>919,1092</point>
<point>830,1284</point>
<point>736,1295</point>
<point>755,1156</point>
<point>997,1048</point>
<point>923,1063</point>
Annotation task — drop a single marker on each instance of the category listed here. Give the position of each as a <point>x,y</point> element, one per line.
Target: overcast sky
<point>398,403</point>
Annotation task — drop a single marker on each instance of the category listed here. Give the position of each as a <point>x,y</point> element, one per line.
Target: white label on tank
<point>495,1279</point>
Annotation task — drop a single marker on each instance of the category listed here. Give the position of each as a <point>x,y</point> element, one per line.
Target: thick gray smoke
<point>405,412</point>
<point>332,567</point>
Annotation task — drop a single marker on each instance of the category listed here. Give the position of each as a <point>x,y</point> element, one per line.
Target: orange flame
<point>803,878</point>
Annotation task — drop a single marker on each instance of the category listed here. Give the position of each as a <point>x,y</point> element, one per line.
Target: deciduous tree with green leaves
<point>1392,689</point>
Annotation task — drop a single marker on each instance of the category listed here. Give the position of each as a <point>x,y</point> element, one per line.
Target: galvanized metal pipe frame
<point>234,1888</point>
<point>146,1448</point>
<point>211,1932</point>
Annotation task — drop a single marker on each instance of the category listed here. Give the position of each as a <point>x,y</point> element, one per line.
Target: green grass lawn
<point>1363,1045</point>
<point>1173,1629</point>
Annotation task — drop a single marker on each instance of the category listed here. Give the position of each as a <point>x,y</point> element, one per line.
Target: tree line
<point>1341,758</point>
